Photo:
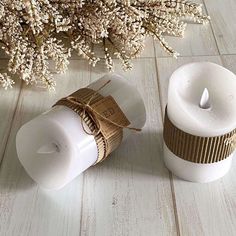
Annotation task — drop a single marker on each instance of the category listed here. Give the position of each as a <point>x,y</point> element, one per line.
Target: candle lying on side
<point>54,147</point>
<point>202,107</point>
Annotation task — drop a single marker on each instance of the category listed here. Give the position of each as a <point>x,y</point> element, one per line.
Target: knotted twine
<point>103,117</point>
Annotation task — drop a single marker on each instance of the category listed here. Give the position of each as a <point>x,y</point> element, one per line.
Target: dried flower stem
<point>31,32</point>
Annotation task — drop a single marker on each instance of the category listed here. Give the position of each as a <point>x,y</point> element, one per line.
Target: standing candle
<point>200,122</point>
<point>56,146</point>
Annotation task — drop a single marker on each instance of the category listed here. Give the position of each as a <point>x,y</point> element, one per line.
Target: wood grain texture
<point>130,194</point>
<point>203,209</point>
<point>223,23</point>
<point>198,40</point>
<point>7,111</point>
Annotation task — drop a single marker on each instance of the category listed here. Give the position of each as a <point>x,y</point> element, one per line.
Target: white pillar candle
<point>201,102</point>
<point>54,148</point>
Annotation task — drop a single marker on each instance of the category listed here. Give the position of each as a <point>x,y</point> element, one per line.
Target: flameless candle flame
<point>48,148</point>
<point>205,100</point>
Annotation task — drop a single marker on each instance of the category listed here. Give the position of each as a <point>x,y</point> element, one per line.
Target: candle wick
<point>205,100</point>
<point>48,148</point>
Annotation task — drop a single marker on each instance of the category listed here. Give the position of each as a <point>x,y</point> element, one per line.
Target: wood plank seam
<point>84,175</point>
<point>174,203</point>
<point>82,205</point>
<point>170,174</point>
<point>212,30</point>
<point>11,124</point>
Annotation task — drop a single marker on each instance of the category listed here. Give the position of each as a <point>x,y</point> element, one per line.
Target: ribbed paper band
<point>195,148</point>
<point>105,145</point>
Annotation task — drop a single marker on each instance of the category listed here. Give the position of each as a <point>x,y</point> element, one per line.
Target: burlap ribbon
<point>195,148</point>
<point>106,127</point>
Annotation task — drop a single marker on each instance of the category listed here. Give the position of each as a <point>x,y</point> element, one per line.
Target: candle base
<point>196,172</point>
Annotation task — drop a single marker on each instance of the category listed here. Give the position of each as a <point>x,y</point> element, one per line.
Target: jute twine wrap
<point>84,103</point>
<point>198,149</point>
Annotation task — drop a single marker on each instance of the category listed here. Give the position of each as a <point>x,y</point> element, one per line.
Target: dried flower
<point>5,81</point>
<point>32,32</point>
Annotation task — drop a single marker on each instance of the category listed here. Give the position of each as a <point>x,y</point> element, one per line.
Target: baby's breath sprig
<point>32,32</point>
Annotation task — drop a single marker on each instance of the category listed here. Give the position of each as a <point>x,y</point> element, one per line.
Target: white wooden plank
<point>130,194</point>
<point>26,209</point>
<point>229,62</point>
<point>223,23</point>
<point>8,100</point>
<point>149,48</point>
<point>203,209</point>
<point>198,40</point>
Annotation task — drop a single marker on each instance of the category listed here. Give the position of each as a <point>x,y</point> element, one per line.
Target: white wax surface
<point>60,126</point>
<point>185,90</point>
<point>196,172</point>
<point>184,95</point>
<point>76,151</point>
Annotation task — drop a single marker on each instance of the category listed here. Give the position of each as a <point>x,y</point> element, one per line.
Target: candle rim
<point>195,127</point>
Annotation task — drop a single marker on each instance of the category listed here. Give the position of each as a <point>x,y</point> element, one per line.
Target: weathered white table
<point>132,193</point>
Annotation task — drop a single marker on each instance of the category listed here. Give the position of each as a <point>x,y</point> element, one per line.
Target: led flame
<point>205,100</point>
<point>48,148</point>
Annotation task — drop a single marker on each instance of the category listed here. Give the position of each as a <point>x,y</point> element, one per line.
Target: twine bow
<point>87,109</point>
